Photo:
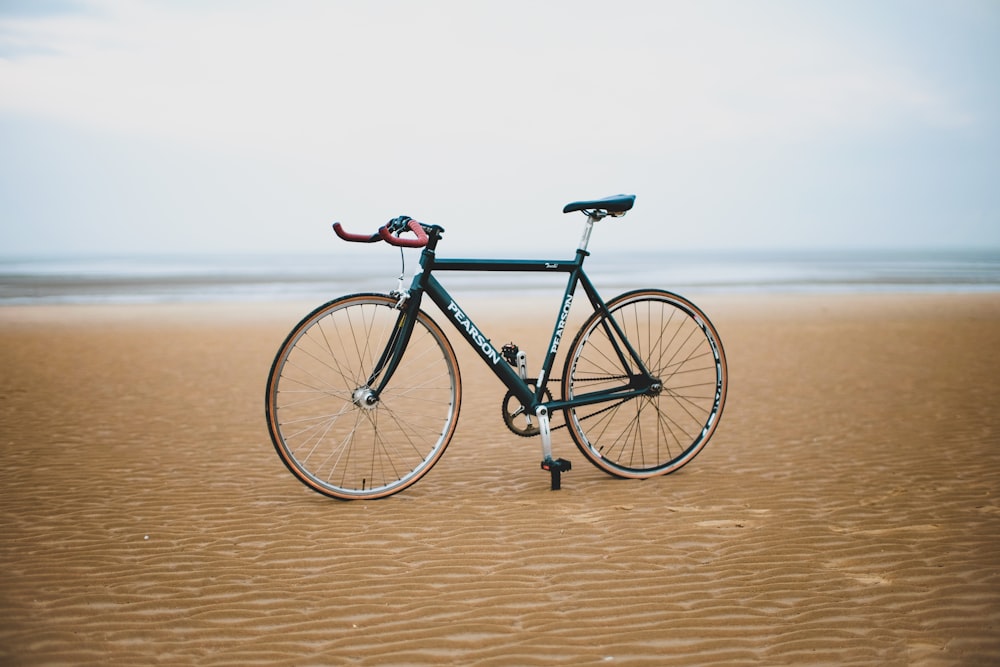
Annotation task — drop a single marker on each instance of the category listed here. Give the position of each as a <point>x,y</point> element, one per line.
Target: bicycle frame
<point>357,389</point>
<point>640,381</point>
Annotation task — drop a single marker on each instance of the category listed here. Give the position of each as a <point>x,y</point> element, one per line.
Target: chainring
<point>513,414</point>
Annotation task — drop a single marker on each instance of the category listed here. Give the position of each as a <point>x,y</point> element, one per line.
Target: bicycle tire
<point>658,433</point>
<point>331,439</point>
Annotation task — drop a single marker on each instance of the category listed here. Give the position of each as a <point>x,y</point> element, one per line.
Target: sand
<point>847,512</point>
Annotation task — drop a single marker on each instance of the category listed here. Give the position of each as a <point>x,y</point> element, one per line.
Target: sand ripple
<point>847,512</point>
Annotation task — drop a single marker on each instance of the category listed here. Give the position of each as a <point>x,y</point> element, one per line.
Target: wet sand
<point>847,511</point>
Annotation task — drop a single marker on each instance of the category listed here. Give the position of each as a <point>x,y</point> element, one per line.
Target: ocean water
<point>320,277</point>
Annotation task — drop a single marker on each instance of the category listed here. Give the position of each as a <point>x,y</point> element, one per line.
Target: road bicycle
<point>363,396</point>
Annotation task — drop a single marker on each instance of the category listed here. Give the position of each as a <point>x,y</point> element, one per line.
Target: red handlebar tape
<point>385,235</point>
<point>415,227</point>
<point>356,238</point>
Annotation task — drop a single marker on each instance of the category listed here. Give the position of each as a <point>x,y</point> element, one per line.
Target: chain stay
<point>509,417</point>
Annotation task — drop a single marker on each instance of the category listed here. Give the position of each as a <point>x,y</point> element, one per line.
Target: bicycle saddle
<point>616,204</point>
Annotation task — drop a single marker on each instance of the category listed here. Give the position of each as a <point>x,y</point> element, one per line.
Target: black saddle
<point>617,204</point>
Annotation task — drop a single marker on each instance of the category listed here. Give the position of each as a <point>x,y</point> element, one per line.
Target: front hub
<point>364,397</point>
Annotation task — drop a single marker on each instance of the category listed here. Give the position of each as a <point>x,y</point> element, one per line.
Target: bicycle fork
<point>368,395</point>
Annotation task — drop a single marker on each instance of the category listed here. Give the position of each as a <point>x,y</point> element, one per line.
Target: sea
<point>318,277</point>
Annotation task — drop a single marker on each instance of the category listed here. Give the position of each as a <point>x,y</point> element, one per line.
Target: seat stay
<point>615,335</point>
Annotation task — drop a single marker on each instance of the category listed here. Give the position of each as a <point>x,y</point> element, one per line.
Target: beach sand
<point>847,511</point>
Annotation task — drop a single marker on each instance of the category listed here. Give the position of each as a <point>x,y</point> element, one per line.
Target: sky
<point>155,126</point>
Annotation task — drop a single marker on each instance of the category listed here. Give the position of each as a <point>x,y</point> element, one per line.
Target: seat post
<point>588,227</point>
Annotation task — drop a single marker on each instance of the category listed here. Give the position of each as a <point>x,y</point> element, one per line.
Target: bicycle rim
<point>660,432</point>
<point>325,432</point>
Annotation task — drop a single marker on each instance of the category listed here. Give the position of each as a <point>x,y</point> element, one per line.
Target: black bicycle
<point>363,396</point>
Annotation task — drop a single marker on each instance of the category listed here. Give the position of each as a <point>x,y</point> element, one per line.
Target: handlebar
<point>354,238</point>
<point>389,233</point>
<point>414,227</point>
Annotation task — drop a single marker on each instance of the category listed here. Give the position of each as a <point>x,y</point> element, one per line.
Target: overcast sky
<point>144,126</point>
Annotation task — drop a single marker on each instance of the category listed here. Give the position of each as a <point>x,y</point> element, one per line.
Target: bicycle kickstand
<point>556,467</point>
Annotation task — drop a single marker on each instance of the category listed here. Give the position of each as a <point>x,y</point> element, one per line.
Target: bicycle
<point>364,393</point>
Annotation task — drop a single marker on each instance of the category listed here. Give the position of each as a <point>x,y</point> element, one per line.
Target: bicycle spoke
<point>659,431</point>
<point>328,432</point>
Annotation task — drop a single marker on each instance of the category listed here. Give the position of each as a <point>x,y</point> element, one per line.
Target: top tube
<point>526,265</point>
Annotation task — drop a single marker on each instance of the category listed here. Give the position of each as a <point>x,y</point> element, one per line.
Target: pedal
<point>556,468</point>
<point>509,352</point>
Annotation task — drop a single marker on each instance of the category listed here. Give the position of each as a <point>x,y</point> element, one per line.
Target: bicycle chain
<point>525,434</point>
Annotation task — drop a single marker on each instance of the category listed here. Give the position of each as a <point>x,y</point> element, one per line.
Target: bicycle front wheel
<point>325,431</point>
<point>658,432</point>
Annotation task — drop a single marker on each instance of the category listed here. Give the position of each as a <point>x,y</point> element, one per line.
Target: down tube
<point>479,341</point>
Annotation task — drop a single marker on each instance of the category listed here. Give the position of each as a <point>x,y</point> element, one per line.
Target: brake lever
<point>413,226</point>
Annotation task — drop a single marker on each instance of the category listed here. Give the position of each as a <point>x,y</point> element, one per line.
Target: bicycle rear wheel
<point>656,433</point>
<point>324,430</point>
